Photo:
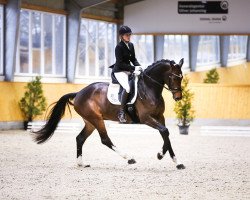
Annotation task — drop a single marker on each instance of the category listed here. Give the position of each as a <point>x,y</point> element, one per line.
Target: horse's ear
<point>181,62</point>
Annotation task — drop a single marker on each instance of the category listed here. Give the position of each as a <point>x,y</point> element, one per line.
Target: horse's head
<point>165,72</point>
<point>173,79</point>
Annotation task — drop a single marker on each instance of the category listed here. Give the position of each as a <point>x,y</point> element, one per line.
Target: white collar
<point>126,44</point>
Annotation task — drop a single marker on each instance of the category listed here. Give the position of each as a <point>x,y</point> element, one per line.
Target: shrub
<point>212,76</point>
<point>183,108</point>
<point>33,103</point>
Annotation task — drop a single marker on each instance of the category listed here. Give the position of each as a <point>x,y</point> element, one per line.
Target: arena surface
<point>217,167</point>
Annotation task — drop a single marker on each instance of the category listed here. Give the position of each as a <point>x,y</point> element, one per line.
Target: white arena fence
<point>225,130</point>
<point>113,127</point>
<point>63,127</point>
<point>76,127</point>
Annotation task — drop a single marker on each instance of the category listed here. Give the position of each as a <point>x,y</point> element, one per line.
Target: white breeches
<point>122,78</point>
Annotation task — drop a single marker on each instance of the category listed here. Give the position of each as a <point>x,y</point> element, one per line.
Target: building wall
<point>238,74</point>
<point>216,101</point>
<point>12,92</point>
<point>227,100</point>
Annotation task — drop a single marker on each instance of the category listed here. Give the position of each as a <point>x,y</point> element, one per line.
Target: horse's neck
<point>150,88</point>
<point>154,88</point>
<point>158,71</point>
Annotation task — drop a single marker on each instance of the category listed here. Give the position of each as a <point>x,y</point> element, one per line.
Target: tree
<point>212,76</point>
<point>33,103</point>
<point>184,108</point>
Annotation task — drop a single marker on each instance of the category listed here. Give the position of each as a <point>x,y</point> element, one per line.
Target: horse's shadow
<point>125,168</point>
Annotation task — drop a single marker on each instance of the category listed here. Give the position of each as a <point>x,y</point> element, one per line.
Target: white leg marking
<point>79,161</point>
<point>122,154</point>
<point>161,153</point>
<point>176,161</point>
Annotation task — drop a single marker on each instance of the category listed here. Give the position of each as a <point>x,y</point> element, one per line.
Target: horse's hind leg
<point>81,138</point>
<point>100,126</point>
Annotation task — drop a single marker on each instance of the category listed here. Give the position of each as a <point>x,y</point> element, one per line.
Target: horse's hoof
<point>83,166</point>
<point>180,166</point>
<point>131,161</point>
<point>159,156</point>
<point>79,161</point>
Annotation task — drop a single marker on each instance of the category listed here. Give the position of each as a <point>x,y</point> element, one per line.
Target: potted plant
<point>184,108</point>
<point>212,76</point>
<point>33,103</point>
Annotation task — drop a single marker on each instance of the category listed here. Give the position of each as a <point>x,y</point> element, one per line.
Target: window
<point>143,49</point>
<point>1,40</point>
<point>237,48</point>
<point>208,55</point>
<point>41,44</point>
<point>176,48</point>
<point>96,50</point>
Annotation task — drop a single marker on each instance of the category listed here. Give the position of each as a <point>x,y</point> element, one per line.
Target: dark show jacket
<point>123,58</point>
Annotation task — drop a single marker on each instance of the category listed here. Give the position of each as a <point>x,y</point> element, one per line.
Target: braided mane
<point>153,65</point>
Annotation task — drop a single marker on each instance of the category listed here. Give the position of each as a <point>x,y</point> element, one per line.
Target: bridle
<point>173,90</point>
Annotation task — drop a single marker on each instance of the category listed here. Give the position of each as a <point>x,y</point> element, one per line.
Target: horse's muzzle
<point>177,96</point>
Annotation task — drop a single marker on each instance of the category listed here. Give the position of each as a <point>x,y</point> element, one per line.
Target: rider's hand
<point>138,68</point>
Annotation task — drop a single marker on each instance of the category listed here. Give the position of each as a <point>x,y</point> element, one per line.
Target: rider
<point>125,55</point>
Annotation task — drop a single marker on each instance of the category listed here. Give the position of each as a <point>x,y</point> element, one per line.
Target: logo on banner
<point>224,5</point>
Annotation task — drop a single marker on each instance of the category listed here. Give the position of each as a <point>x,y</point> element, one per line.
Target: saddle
<point>115,90</point>
<point>114,95</point>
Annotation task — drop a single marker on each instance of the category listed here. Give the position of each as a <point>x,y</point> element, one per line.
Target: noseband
<point>174,89</point>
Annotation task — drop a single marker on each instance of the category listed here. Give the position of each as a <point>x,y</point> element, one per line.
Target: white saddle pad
<point>113,91</point>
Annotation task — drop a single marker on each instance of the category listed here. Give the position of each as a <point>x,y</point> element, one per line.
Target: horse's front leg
<point>160,126</point>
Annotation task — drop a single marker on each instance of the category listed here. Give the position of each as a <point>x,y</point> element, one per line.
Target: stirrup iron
<point>122,116</point>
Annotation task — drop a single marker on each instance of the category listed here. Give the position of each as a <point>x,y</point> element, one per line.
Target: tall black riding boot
<point>121,114</point>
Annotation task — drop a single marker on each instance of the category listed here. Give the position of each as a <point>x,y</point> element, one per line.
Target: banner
<point>188,17</point>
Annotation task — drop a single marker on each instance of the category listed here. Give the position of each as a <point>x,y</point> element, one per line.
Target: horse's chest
<point>156,105</point>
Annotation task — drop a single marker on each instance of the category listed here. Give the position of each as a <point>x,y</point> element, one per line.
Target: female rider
<point>125,55</point>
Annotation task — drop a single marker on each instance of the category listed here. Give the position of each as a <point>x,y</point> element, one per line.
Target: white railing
<point>63,127</point>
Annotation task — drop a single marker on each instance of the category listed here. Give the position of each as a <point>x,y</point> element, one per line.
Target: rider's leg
<point>121,114</point>
<point>122,78</point>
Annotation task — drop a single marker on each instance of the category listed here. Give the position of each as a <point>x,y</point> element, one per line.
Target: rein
<point>144,74</point>
<point>156,82</point>
<point>153,80</point>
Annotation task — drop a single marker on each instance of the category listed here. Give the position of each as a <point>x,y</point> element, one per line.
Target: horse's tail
<point>54,118</point>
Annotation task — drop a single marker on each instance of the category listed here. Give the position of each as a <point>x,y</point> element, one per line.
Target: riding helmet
<point>125,30</point>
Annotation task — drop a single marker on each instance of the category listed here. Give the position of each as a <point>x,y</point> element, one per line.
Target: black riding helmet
<point>125,30</point>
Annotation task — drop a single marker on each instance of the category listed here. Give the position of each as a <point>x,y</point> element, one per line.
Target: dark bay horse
<point>92,105</point>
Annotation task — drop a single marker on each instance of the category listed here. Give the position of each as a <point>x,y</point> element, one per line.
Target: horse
<point>92,105</point>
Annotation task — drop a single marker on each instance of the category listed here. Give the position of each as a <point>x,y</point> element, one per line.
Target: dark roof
<point>112,9</point>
